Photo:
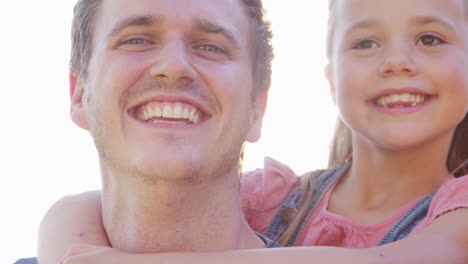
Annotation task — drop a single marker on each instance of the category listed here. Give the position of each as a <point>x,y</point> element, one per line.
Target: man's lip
<point>170,99</point>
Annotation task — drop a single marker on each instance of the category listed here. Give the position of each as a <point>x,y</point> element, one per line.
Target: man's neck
<point>165,216</point>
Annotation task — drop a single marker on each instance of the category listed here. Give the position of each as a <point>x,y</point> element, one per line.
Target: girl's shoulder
<point>451,195</point>
<point>74,219</point>
<point>262,188</point>
<point>263,191</point>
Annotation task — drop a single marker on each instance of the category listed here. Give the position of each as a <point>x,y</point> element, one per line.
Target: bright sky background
<point>44,156</point>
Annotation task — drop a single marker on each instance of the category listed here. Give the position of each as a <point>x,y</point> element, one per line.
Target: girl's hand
<point>88,254</point>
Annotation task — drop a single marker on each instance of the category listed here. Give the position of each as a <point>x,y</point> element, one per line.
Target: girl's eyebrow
<point>425,20</point>
<point>419,20</point>
<point>361,24</point>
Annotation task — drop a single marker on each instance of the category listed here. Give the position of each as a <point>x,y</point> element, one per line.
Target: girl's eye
<point>211,48</point>
<point>429,40</point>
<point>365,44</point>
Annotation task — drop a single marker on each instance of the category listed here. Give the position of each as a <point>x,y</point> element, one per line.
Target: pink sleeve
<point>262,192</point>
<point>451,196</point>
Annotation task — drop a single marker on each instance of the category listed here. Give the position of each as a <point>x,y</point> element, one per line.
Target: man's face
<point>169,91</point>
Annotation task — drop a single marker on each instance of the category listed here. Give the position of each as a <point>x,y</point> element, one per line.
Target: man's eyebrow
<point>211,27</point>
<point>145,20</point>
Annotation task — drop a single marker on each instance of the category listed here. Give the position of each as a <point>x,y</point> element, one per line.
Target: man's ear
<point>258,108</point>
<point>77,111</point>
<point>331,81</point>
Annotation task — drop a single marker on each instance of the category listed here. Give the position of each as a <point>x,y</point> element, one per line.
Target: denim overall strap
<point>268,242</point>
<point>409,221</point>
<point>322,184</point>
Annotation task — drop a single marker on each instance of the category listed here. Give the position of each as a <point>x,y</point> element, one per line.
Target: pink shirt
<point>266,189</point>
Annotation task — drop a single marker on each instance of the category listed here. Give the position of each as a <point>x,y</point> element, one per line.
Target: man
<point>169,90</point>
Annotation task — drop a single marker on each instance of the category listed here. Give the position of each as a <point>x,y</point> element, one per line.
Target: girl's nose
<point>398,61</point>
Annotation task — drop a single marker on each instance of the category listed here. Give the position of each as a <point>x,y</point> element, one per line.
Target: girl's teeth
<point>403,99</point>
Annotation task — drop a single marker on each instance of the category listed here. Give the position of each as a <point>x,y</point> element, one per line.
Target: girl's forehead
<point>348,11</point>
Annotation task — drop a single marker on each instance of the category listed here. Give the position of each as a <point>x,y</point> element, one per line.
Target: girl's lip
<point>408,109</point>
<point>405,107</point>
<point>409,90</point>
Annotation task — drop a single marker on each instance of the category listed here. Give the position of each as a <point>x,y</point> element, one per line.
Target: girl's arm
<point>72,220</point>
<point>77,219</point>
<point>443,241</point>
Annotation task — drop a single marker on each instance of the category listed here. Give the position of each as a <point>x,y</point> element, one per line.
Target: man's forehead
<point>219,11</point>
<point>227,17</point>
<point>198,24</point>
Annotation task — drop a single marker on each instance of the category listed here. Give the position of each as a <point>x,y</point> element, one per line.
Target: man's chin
<point>186,170</point>
<point>168,170</point>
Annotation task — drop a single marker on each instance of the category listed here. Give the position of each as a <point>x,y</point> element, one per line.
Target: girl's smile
<point>401,101</point>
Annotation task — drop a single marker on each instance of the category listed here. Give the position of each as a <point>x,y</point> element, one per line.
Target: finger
<point>77,250</point>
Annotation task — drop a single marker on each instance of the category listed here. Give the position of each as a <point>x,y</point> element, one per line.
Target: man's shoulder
<point>68,214</point>
<point>78,203</point>
<point>26,261</point>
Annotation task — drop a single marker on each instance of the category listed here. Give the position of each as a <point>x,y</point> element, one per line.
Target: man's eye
<point>211,48</point>
<point>365,44</point>
<point>429,40</point>
<point>134,41</point>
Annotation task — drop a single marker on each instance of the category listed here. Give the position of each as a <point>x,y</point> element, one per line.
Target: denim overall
<point>322,184</point>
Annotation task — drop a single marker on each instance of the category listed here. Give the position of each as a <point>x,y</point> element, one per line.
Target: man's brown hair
<point>84,22</point>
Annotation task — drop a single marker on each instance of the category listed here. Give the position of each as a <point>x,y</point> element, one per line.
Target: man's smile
<point>169,112</point>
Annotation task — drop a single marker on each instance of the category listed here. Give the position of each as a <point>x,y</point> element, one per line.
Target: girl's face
<point>399,69</point>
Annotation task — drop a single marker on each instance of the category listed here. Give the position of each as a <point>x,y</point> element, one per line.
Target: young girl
<point>395,190</point>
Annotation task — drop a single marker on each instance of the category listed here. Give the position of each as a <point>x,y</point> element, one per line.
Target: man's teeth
<point>166,110</point>
<point>168,122</point>
<point>405,99</point>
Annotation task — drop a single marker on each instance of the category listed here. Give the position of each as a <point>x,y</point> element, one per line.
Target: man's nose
<point>173,63</point>
<point>398,60</point>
